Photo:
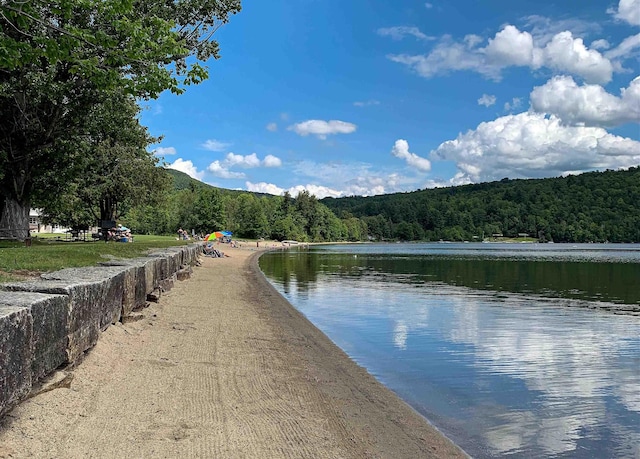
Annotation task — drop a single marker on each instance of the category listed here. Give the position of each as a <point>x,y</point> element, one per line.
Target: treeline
<point>591,207</point>
<point>201,208</point>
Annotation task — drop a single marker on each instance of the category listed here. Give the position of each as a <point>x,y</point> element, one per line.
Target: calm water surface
<point>512,350</point>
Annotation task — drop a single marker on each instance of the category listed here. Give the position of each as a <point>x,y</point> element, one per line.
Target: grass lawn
<point>49,254</point>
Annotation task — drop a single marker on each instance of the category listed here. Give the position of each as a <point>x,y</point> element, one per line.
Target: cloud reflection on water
<point>574,362</point>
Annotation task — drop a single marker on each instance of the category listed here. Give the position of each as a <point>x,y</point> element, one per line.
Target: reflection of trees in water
<point>610,282</point>
<point>579,370</point>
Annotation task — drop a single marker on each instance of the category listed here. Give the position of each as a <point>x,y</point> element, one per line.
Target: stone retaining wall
<point>53,320</point>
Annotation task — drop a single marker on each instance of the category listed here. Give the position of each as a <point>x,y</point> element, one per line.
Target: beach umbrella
<point>215,235</point>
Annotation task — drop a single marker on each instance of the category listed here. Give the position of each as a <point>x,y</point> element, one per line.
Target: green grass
<point>48,254</point>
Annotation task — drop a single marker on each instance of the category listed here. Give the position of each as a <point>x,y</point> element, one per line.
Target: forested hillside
<point>591,207</point>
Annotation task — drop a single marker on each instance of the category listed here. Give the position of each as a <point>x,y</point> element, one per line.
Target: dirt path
<point>221,367</point>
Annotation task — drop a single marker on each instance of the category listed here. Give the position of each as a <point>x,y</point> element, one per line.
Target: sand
<point>221,367</point>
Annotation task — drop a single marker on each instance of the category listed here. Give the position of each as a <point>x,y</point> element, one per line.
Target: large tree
<point>58,59</point>
<point>112,168</point>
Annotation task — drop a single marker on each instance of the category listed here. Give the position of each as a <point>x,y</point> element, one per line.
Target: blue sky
<point>369,97</point>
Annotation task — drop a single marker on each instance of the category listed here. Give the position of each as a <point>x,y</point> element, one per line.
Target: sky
<point>367,97</point>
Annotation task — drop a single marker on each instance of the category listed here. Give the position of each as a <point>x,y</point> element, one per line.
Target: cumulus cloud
<point>567,54</point>
<point>263,187</point>
<point>458,179</point>
<point>316,190</point>
<point>628,11</point>
<point>271,161</point>
<point>164,151</point>
<point>273,127</point>
<point>215,145</point>
<point>511,47</point>
<point>588,104</point>
<point>321,128</point>
<point>221,170</point>
<point>354,178</point>
<point>487,100</point>
<point>187,167</point>
<point>247,161</point>
<point>398,33</point>
<point>530,145</point>
<point>401,150</point>
<point>340,179</point>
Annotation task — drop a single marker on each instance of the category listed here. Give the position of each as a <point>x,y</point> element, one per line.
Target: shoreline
<point>222,366</point>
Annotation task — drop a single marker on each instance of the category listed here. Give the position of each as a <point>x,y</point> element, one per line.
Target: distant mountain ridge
<point>591,207</point>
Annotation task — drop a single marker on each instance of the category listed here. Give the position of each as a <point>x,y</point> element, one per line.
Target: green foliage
<point>60,59</point>
<point>113,171</point>
<point>591,207</point>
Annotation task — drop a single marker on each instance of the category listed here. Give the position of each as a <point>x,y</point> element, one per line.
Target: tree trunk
<point>14,223</point>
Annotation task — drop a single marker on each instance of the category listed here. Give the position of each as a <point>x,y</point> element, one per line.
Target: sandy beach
<point>221,367</point>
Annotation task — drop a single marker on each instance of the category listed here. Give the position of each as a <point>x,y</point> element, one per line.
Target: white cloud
<point>458,179</point>
<point>187,167</point>
<point>511,47</point>
<point>567,54</point>
<point>445,56</point>
<point>354,178</point>
<point>164,151</point>
<point>316,190</point>
<point>587,104</point>
<point>247,161</point>
<point>220,170</point>
<point>600,44</point>
<point>322,128</point>
<point>401,150</point>
<point>487,100</point>
<point>515,103</point>
<point>366,103</point>
<point>215,145</point>
<point>273,127</point>
<point>428,5</point>
<point>530,145</point>
<point>264,187</point>
<point>625,48</point>
<point>271,161</point>
<point>398,33</point>
<point>628,11</point>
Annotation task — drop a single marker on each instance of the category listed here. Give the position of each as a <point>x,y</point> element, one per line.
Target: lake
<point>511,350</point>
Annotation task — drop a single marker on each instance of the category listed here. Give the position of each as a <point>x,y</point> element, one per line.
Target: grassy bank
<point>18,261</point>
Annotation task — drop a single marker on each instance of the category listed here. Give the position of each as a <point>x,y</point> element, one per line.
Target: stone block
<point>184,273</point>
<point>49,315</point>
<point>103,290</point>
<point>16,354</point>
<point>95,301</point>
<point>167,284</point>
<point>134,292</point>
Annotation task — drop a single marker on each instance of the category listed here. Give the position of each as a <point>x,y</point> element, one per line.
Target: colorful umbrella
<point>218,235</point>
<point>215,235</point>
